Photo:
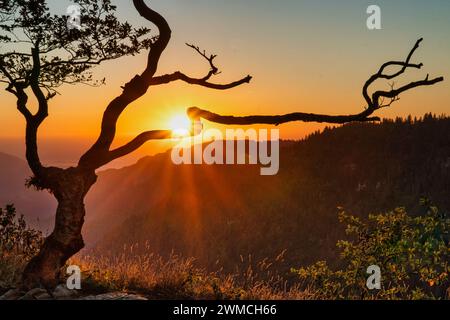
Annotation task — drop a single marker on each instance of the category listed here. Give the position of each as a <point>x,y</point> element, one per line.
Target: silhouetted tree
<point>42,54</point>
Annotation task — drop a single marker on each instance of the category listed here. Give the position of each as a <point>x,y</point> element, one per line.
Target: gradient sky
<point>305,55</point>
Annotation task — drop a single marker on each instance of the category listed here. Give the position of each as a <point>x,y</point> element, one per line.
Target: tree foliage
<point>65,55</point>
<point>16,238</point>
<point>412,252</point>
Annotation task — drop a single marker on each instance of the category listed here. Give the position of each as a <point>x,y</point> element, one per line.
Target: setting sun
<point>180,126</point>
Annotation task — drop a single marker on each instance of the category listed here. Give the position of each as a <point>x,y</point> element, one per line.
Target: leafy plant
<point>412,252</point>
<point>15,236</point>
<point>18,243</point>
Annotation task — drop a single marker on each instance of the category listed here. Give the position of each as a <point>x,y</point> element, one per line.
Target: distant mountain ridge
<point>225,212</point>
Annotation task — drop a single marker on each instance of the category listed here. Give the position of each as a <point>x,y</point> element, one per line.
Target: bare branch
<point>196,113</point>
<point>137,142</point>
<point>204,81</point>
<point>373,101</point>
<point>214,70</point>
<point>22,100</point>
<point>132,91</point>
<point>34,83</point>
<point>168,78</point>
<point>100,154</point>
<point>160,44</point>
<point>394,93</point>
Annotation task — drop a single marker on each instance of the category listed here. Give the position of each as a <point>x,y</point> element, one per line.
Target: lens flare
<point>180,126</point>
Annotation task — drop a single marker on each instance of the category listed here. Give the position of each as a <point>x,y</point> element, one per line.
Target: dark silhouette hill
<point>225,212</point>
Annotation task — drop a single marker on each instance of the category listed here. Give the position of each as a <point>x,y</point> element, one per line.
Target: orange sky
<point>303,56</point>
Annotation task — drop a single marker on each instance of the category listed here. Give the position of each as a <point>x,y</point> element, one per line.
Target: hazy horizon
<point>66,151</point>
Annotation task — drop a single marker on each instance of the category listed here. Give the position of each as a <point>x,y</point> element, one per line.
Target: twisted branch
<point>373,101</point>
<point>204,81</point>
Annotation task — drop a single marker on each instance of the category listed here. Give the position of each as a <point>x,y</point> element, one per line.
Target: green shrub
<point>15,236</point>
<point>412,252</point>
<point>18,243</point>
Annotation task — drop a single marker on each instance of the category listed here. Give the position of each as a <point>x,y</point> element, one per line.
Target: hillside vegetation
<point>219,214</point>
<point>413,255</point>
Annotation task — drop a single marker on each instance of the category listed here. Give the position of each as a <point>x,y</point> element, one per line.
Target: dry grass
<point>11,267</point>
<point>179,278</point>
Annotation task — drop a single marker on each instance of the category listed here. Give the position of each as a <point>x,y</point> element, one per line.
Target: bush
<point>412,252</point>
<point>15,236</point>
<point>18,243</point>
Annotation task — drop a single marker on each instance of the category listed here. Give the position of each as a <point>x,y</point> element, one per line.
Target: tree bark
<point>70,187</point>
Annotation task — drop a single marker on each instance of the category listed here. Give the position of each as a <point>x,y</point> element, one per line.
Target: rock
<point>34,294</point>
<point>114,296</point>
<point>4,289</point>
<point>134,297</point>
<point>12,294</point>
<point>43,296</point>
<point>61,292</point>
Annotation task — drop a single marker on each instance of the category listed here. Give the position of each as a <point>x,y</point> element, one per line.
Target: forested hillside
<point>220,214</point>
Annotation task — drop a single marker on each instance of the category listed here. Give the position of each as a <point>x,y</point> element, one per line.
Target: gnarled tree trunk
<point>70,187</point>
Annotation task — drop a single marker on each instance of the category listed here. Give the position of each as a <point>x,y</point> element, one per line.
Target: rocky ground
<point>63,293</point>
